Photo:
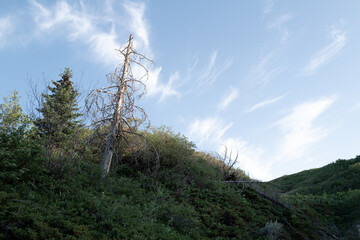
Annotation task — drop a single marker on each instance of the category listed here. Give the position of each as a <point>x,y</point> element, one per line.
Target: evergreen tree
<point>59,112</point>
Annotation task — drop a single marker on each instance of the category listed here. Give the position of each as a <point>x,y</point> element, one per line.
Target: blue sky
<point>275,81</point>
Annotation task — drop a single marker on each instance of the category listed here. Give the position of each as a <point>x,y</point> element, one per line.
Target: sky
<point>276,82</point>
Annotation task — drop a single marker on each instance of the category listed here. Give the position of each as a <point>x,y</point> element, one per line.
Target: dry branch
<point>113,107</point>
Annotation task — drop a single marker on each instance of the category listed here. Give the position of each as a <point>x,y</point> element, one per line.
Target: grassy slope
<point>332,191</point>
<point>185,199</point>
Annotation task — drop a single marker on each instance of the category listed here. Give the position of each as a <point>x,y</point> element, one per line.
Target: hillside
<point>332,192</point>
<point>53,186</point>
<point>185,198</point>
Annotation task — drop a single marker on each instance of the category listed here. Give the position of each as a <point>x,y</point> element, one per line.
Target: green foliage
<point>180,165</point>
<point>59,111</point>
<point>20,151</point>
<point>180,197</point>
<point>272,230</point>
<point>339,176</point>
<point>330,193</point>
<point>11,114</point>
<point>20,156</point>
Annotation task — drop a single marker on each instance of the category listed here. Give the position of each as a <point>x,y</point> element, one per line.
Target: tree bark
<point>116,122</point>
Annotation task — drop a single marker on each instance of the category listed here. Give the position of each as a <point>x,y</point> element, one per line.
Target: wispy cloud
<point>249,157</point>
<point>266,70</point>
<point>280,21</point>
<point>207,130</point>
<point>169,89</point>
<point>76,24</point>
<point>354,107</point>
<point>140,27</point>
<point>138,23</point>
<point>326,54</point>
<point>228,98</point>
<point>268,6</point>
<point>299,130</point>
<point>210,66</point>
<point>279,24</point>
<point>77,21</point>
<point>6,28</point>
<point>99,30</point>
<point>164,90</point>
<point>209,133</point>
<point>213,70</point>
<point>264,103</point>
<point>202,73</point>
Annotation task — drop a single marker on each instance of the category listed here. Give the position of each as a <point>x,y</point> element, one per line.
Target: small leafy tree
<point>19,149</point>
<point>11,113</point>
<point>59,113</point>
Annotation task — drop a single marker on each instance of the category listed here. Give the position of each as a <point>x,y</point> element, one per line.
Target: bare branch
<point>115,104</point>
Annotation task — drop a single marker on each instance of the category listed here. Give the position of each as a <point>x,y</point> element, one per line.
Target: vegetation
<point>11,116</point>
<point>332,193</point>
<point>60,179</point>
<point>185,198</point>
<point>58,120</point>
<point>113,107</point>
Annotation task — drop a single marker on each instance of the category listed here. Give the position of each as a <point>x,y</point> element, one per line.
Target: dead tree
<point>114,106</point>
<point>228,165</point>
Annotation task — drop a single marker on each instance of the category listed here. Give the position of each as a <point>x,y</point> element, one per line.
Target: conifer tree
<point>59,112</point>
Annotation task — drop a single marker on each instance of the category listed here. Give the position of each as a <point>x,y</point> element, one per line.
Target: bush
<point>273,230</point>
<point>20,156</point>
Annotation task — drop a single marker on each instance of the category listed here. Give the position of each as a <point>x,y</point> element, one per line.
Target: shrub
<point>272,229</point>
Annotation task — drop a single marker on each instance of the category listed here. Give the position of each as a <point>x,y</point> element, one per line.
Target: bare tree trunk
<point>115,125</point>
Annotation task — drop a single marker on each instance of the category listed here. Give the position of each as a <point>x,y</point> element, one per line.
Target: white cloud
<point>299,130</point>
<point>354,107</point>
<point>140,27</point>
<point>326,54</point>
<point>280,21</point>
<point>265,71</point>
<point>164,90</point>
<point>207,72</point>
<point>265,103</point>
<point>228,98</point>
<point>168,89</point>
<point>298,134</point>
<point>285,34</point>
<point>268,6</point>
<point>138,23</point>
<point>213,70</point>
<point>6,27</point>
<point>103,45</point>
<point>209,134</point>
<point>210,130</point>
<point>76,23</point>
<point>249,157</point>
<point>195,78</point>
<point>279,25</point>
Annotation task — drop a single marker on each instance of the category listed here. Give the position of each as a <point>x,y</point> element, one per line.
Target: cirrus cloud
<point>299,130</point>
<point>326,54</point>
<point>6,28</point>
